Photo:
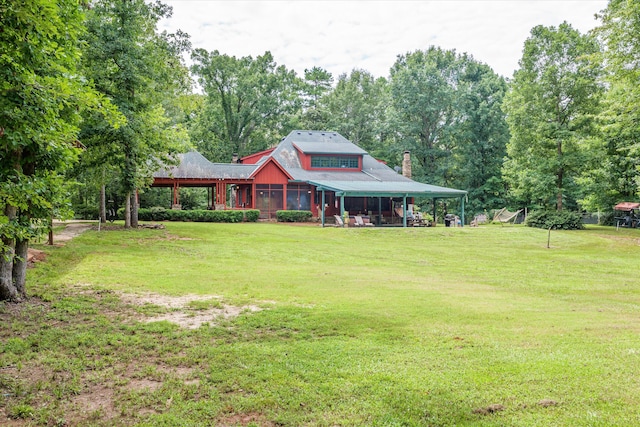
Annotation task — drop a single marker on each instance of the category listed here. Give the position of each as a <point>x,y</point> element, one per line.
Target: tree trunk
<point>559,176</point>
<point>134,209</point>
<point>20,266</point>
<point>103,204</point>
<point>8,291</point>
<point>559,193</point>
<point>127,210</point>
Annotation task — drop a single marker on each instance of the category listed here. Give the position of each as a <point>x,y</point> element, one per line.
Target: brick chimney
<point>406,164</point>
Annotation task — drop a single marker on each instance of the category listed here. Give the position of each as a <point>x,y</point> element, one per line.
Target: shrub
<point>251,215</point>
<point>86,212</point>
<point>199,215</point>
<point>293,216</point>
<point>560,220</point>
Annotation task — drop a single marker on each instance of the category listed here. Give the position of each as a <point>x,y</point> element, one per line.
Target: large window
<point>334,162</point>
<point>298,197</point>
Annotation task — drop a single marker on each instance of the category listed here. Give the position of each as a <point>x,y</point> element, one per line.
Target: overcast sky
<point>342,35</point>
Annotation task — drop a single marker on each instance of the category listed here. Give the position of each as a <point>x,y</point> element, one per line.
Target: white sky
<point>342,35</point>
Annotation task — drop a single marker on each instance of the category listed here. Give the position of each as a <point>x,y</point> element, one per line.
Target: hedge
<point>161,214</point>
<point>560,220</point>
<point>293,216</point>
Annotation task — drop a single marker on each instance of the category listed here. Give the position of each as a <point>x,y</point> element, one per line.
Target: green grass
<point>385,327</point>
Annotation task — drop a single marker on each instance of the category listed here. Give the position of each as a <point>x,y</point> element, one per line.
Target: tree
<point>423,93</point>
<point>140,70</point>
<point>616,174</point>
<point>248,101</point>
<point>317,83</point>
<point>41,100</point>
<point>550,108</point>
<point>481,137</point>
<point>357,109</point>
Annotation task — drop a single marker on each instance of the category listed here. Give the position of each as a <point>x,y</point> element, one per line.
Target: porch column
<point>176,194</point>
<point>213,195</point>
<point>435,220</point>
<point>379,211</point>
<point>404,211</point>
<point>342,207</point>
<point>462,211</point>
<point>322,207</point>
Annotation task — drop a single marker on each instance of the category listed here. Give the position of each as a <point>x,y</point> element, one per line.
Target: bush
<point>293,216</point>
<point>86,212</point>
<point>560,220</point>
<point>200,215</point>
<point>251,215</point>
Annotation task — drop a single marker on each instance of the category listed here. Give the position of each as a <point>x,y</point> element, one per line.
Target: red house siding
<point>252,159</point>
<point>270,174</point>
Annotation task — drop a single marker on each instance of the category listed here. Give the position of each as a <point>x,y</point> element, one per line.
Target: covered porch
<point>378,199</point>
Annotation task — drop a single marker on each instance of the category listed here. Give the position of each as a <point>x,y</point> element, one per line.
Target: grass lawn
<point>348,327</point>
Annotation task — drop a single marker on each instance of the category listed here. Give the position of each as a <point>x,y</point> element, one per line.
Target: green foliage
<point>447,112</point>
<point>293,216</point>
<point>197,215</point>
<point>557,220</point>
<point>247,101</point>
<point>141,70</point>
<point>251,215</point>
<point>357,108</point>
<point>615,175</point>
<point>550,108</point>
<point>42,98</point>
<point>317,83</point>
<point>86,212</point>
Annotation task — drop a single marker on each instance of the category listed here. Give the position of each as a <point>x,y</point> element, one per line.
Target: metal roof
<point>328,146</point>
<point>193,165</point>
<point>376,179</point>
<point>386,189</point>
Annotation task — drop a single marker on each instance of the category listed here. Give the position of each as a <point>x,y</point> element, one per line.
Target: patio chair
<point>410,217</point>
<point>360,222</point>
<point>339,222</point>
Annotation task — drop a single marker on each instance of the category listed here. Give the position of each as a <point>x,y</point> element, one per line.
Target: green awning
<point>386,189</point>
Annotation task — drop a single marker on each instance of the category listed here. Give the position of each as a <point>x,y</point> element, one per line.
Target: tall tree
<point>423,92</point>
<point>481,137</point>
<point>357,109</point>
<point>550,108</point>
<point>140,70</point>
<point>317,83</point>
<point>616,176</point>
<point>41,100</point>
<point>247,102</point>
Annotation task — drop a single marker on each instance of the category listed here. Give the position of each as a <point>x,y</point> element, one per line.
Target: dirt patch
<point>71,230</point>
<point>253,418</point>
<point>491,409</point>
<point>182,314</point>
<point>95,402</point>
<point>545,403</point>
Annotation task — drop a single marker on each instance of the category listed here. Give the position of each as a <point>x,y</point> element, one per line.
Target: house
<point>322,172</point>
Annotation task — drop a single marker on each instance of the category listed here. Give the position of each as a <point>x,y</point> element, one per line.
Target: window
<point>298,197</point>
<point>334,162</point>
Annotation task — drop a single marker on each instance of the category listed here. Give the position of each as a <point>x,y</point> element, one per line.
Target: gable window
<point>334,162</point>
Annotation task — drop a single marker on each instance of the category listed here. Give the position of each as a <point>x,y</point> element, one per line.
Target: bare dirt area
<point>183,314</point>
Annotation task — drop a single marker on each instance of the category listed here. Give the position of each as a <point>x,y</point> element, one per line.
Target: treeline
<point>93,98</point>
